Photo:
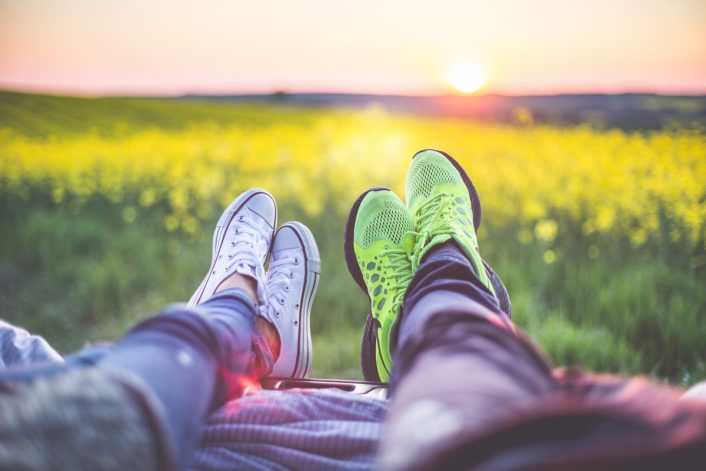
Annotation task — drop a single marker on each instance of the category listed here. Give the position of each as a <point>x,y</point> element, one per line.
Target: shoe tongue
<point>245,269</point>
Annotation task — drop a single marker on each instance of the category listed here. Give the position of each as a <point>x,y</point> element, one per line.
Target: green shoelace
<point>400,272</point>
<point>429,216</point>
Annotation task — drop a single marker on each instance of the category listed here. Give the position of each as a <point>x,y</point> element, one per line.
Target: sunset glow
<point>164,47</point>
<point>466,78</point>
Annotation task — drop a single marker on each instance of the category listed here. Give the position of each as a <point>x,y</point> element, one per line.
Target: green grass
<point>42,116</point>
<point>88,277</point>
<point>82,276</point>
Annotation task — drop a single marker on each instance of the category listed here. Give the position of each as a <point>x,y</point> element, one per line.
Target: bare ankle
<point>240,281</point>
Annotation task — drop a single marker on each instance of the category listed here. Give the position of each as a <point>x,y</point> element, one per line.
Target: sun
<point>466,77</point>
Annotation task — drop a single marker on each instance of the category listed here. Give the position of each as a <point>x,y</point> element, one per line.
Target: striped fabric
<point>325,429</point>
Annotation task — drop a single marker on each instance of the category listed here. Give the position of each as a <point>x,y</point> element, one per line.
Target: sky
<point>172,47</point>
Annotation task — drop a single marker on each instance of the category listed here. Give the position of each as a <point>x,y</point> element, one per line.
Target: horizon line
<point>255,94</point>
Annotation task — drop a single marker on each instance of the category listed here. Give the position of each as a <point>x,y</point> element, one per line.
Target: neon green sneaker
<point>378,242</point>
<point>444,206</point>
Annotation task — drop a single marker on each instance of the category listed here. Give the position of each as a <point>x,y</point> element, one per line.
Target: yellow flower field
<point>108,207</point>
<point>532,178</point>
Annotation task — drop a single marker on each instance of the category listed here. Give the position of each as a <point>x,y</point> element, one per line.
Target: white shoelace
<point>248,251</point>
<point>278,285</point>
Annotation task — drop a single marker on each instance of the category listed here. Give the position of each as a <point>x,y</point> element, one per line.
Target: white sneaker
<point>292,279</point>
<point>241,243</point>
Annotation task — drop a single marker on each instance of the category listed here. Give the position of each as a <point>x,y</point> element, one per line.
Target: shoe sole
<point>220,233</point>
<point>369,344</point>
<point>312,277</point>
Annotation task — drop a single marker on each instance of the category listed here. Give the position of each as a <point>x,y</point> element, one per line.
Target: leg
<point>139,403</point>
<point>469,392</point>
<point>168,372</point>
<point>193,360</point>
<point>459,365</point>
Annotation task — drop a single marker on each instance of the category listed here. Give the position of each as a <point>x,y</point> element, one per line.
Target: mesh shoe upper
<point>382,242</point>
<point>440,203</point>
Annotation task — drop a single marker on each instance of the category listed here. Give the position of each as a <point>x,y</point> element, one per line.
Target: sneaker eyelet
<point>291,275</point>
<point>276,313</point>
<point>286,288</point>
<point>237,231</point>
<point>296,261</point>
<point>232,244</point>
<point>227,268</point>
<point>296,306</point>
<point>281,301</point>
<point>241,218</point>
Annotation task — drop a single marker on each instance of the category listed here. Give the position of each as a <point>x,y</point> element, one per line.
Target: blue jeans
<point>470,392</point>
<point>264,430</point>
<point>192,359</point>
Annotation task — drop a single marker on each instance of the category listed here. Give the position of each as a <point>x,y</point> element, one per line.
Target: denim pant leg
<point>458,362</point>
<point>469,392</point>
<point>191,360</point>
